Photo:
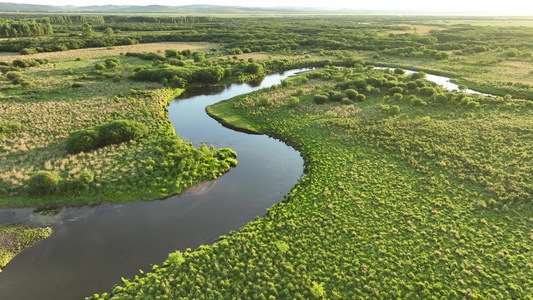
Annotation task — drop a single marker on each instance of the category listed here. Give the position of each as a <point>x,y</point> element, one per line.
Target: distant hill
<point>217,10</point>
<point>186,9</point>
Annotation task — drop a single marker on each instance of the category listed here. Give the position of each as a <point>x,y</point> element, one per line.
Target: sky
<point>517,7</point>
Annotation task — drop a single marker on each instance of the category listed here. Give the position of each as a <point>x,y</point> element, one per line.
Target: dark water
<point>93,247</point>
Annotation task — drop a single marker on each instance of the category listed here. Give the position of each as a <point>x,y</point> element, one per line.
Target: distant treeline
<point>288,35</point>
<point>28,25</point>
<point>109,19</point>
<point>24,29</point>
<point>68,20</point>
<point>158,19</point>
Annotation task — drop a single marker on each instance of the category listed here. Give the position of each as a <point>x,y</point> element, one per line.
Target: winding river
<point>93,247</point>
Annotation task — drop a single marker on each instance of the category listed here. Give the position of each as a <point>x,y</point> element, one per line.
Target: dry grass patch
<point>419,29</point>
<point>113,51</point>
<point>266,56</point>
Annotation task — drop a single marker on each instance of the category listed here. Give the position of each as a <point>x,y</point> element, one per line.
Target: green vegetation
<point>8,128</point>
<point>114,132</point>
<point>15,238</point>
<point>400,202</point>
<point>410,190</point>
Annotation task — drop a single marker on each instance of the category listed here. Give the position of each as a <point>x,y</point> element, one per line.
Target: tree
<point>254,68</point>
<point>87,31</point>
<point>109,31</point>
<point>198,56</point>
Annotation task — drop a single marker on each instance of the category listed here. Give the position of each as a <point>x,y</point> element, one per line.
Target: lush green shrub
<point>512,52</point>
<point>441,56</point>
<point>337,97</point>
<point>198,56</point>
<point>192,74</point>
<point>299,92</point>
<point>472,104</point>
<point>411,85</point>
<point>12,76</point>
<point>320,98</point>
<point>234,51</point>
<point>111,133</point>
<point>399,71</point>
<point>86,177</point>
<point>224,153</point>
<point>171,53</point>
<point>351,94</point>
<point>20,63</point>
<point>28,51</point>
<point>415,101</point>
<point>111,63</point>
<point>82,140</point>
<point>418,75</point>
<point>43,182</point>
<point>264,101</point>
<point>394,110</point>
<point>427,91</point>
<point>254,68</point>
<point>7,128</point>
<point>397,96</point>
<point>441,98</point>
<point>360,97</point>
<point>292,101</point>
<point>384,108</point>
<point>25,63</point>
<point>232,162</point>
<point>177,82</point>
<point>346,101</point>
<point>395,90</point>
<point>120,131</point>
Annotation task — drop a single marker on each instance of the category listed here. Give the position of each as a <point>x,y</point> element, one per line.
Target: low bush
<point>292,101</point>
<point>111,63</point>
<point>43,182</point>
<point>337,97</point>
<point>111,133</point>
<point>7,128</point>
<point>224,153</point>
<point>320,98</point>
<point>351,94</point>
<point>415,101</point>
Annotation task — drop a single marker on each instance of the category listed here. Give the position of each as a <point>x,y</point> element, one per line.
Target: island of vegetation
<point>410,189</point>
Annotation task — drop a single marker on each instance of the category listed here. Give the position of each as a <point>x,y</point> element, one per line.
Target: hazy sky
<point>521,7</point>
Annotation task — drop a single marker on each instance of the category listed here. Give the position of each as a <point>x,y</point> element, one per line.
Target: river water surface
<point>93,247</point>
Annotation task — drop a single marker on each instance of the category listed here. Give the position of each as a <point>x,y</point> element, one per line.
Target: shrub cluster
<point>7,128</point>
<point>43,182</point>
<point>99,136</point>
<point>27,63</point>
